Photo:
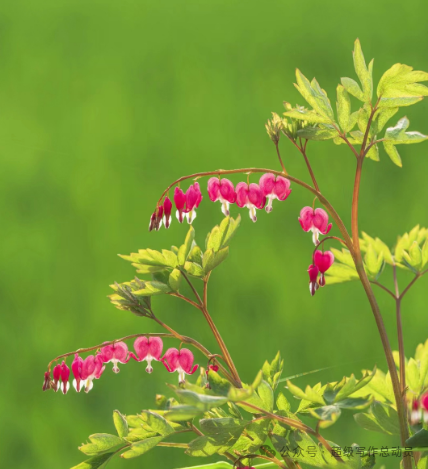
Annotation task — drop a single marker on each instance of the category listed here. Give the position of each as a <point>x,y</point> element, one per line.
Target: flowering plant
<point>236,420</point>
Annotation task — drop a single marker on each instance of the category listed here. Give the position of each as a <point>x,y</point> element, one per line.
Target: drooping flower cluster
<point>419,410</point>
<point>322,261</point>
<point>93,366</point>
<point>249,195</point>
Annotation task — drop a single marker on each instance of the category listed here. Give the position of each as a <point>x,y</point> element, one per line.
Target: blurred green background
<point>102,105</point>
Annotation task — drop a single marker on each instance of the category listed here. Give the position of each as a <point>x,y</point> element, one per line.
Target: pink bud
<point>76,368</point>
<point>167,208</point>
<point>313,277</point>
<point>47,381</point>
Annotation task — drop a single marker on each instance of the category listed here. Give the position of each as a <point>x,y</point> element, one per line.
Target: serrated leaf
<point>401,79</point>
<point>141,447</point>
<point>153,288</point>
<point>392,152</point>
<point>184,250</point>
<point>101,443</point>
<point>353,88</point>
<point>308,116</point>
<point>381,117</point>
<point>156,423</point>
<point>343,108</point>
<point>362,71</point>
<point>212,259</point>
<point>175,279</point>
<point>120,424</point>
<point>317,133</point>
<point>314,95</point>
<point>398,135</point>
<point>266,395</point>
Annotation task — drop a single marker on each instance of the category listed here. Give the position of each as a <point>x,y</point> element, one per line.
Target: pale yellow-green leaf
<point>352,87</point>
<point>392,152</point>
<point>343,108</point>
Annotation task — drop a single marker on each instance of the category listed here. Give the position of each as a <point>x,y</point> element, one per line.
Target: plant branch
<point>182,297</point>
<point>417,276</point>
<point>302,149</point>
<point>296,424</point>
<point>374,282</point>
<point>280,159</point>
<point>402,414</point>
<point>400,333</point>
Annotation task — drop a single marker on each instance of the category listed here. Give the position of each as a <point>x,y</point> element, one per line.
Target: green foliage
<point>382,418</point>
<point>272,371</point>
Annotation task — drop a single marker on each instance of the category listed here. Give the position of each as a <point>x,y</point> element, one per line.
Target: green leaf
<point>266,395</point>
<point>398,102</point>
<point>419,439</point>
<point>352,87</point>
<point>204,446</point>
<point>402,80</point>
<point>362,71</point>
<point>314,95</point>
<point>343,108</point>
<point>202,401</point>
<point>381,117</point>
<point>272,371</point>
<point>121,424</point>
<point>308,116</point>
<point>183,413</point>
<point>149,261</point>
<point>368,422</point>
<point>310,394</point>
<point>373,262</point>
<point>254,436</point>
<point>175,279</point>
<point>156,423</point>
<point>373,153</point>
<point>317,133</point>
<point>222,425</point>
<point>184,250</point>
<point>153,288</point>
<point>232,226</point>
<point>212,259</point>
<point>193,269</point>
<point>398,135</point>
<point>97,462</point>
<point>141,447</point>
<point>392,152</point>
<point>101,443</point>
<point>386,416</point>
<point>125,299</point>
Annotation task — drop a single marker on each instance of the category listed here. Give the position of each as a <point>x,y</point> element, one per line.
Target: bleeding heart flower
<point>56,376</point>
<point>315,221</point>
<point>115,353</point>
<point>323,261</point>
<point>250,196</point>
<point>274,188</point>
<point>180,361</point>
<point>76,368</point>
<point>222,190</point>
<point>147,349</point>
<point>313,278</point>
<point>180,203</point>
<point>61,372</point>
<point>193,199</point>
<point>424,401</point>
<point>167,208</point>
<point>92,368</point>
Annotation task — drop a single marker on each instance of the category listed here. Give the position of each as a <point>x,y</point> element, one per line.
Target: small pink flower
<point>313,278</point>
<point>92,368</point>
<point>193,199</point>
<point>56,376</point>
<point>274,188</point>
<point>167,208</point>
<point>315,221</point>
<point>65,375</point>
<point>181,361</point>
<point>323,261</point>
<point>187,203</point>
<point>156,219</point>
<point>250,196</point>
<point>115,353</point>
<point>147,349</point>
<point>222,190</point>
<point>47,381</point>
<point>61,372</point>
<point>415,413</point>
<point>180,203</point>
<point>76,368</point>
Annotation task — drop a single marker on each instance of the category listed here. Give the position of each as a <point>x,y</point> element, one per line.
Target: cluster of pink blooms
<point>93,366</point>
<point>419,410</point>
<point>252,196</point>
